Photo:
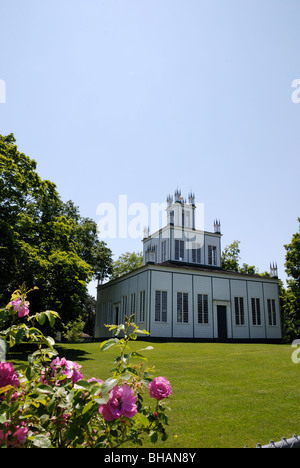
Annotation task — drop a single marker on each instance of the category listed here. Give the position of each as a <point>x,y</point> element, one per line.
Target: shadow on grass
<point>73,354</point>
<point>20,353</point>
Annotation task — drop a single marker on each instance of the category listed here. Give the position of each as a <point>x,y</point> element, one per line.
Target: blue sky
<point>139,97</point>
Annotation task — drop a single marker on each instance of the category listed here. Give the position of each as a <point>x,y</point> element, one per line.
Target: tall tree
<point>293,258</point>
<point>291,296</point>
<point>230,256</point>
<point>43,241</point>
<point>230,260</point>
<point>126,263</point>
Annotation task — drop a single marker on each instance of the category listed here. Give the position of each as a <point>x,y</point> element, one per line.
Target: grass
<point>224,395</point>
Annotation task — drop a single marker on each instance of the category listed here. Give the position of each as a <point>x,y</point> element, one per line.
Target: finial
<point>274,270</point>
<point>191,198</point>
<point>217,226</point>
<point>169,200</point>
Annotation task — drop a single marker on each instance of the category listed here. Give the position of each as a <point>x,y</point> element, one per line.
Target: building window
<point>132,304</point>
<point>202,308</point>
<point>164,251</point>
<point>142,306</point>
<point>124,306</point>
<point>182,308</point>
<point>161,306</point>
<point>256,313</point>
<point>272,312</point>
<point>212,255</point>
<point>109,312</point>
<point>239,311</point>
<point>196,253</point>
<point>179,250</point>
<point>116,314</point>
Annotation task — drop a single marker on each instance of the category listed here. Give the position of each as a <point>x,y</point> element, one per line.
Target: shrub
<point>46,402</point>
<point>73,331</point>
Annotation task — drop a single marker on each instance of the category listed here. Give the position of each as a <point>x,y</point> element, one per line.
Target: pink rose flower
<point>160,388</point>
<point>20,307</point>
<point>13,437</point>
<point>23,310</point>
<point>93,379</point>
<point>8,375</point>
<point>68,368</point>
<point>21,434</point>
<point>122,402</point>
<point>16,304</point>
<point>71,370</point>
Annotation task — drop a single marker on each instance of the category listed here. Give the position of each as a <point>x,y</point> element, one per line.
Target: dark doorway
<point>222,322</point>
<point>116,309</point>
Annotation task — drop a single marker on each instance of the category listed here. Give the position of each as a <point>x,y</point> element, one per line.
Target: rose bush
<point>46,402</point>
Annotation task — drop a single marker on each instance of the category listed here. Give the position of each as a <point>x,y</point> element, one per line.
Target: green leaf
<point>108,385</point>
<point>133,336</point>
<point>82,385</point>
<point>41,318</point>
<point>46,351</point>
<point>20,335</point>
<point>102,401</point>
<point>12,341</point>
<point>88,407</point>
<point>116,329</point>
<point>153,437</point>
<point>144,332</point>
<point>142,419</point>
<point>108,344</point>
<point>44,389</point>
<point>49,341</point>
<point>41,441</point>
<point>134,354</point>
<point>35,333</point>
<point>3,418</point>
<point>51,317</point>
<point>6,389</point>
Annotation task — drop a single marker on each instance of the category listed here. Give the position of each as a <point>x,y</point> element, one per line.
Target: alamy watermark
<point>2,92</point>
<point>296,94</point>
<point>137,220</point>
<point>296,353</point>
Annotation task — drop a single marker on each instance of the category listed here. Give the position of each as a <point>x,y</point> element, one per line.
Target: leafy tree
<point>250,270</point>
<point>126,263</point>
<point>43,241</point>
<point>289,304</point>
<point>230,261</point>
<point>290,298</point>
<point>293,258</point>
<point>88,305</point>
<point>91,250</point>
<point>73,331</point>
<point>231,256</point>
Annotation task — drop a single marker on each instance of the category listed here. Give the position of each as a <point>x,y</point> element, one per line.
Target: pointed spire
<point>169,200</point>
<point>178,197</point>
<point>191,197</point>
<point>217,226</point>
<point>274,270</point>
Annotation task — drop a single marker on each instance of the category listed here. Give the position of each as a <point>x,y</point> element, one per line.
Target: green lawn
<point>224,395</point>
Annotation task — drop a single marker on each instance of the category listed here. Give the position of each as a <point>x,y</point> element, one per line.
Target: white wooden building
<point>182,292</point>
